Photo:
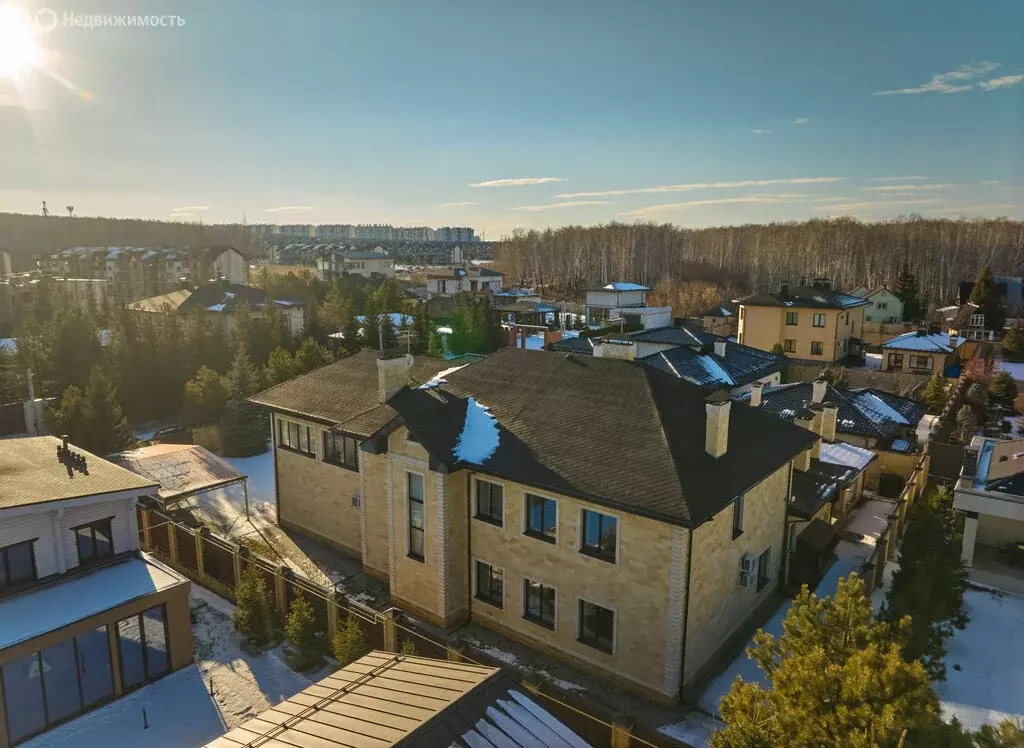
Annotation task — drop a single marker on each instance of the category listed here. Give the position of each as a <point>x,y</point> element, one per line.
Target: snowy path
<point>867,520</point>
<point>180,711</point>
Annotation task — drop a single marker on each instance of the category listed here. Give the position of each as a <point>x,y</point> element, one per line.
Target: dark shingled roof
<point>740,365</point>
<point>344,394</point>
<point>673,335</point>
<point>718,311</point>
<point>862,412</point>
<point>803,297</point>
<point>610,431</point>
<point>584,346</point>
<point>809,494</point>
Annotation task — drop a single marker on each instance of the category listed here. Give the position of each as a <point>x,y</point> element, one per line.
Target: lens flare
<point>18,48</point>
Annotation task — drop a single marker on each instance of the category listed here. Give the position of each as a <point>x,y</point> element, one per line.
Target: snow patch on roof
<point>620,286</point>
<point>479,437</point>
<point>912,341</point>
<point>438,379</point>
<point>715,370</point>
<point>848,455</point>
<point>869,401</point>
<point>10,345</point>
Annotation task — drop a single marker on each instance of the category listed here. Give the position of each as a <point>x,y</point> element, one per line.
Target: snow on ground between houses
<point>226,506</point>
<point>180,711</point>
<point>989,685</point>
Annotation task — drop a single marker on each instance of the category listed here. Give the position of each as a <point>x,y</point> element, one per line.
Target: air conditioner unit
<point>748,571</point>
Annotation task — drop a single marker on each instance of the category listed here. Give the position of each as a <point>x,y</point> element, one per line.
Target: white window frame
<point>504,585</point>
<point>580,529</point>
<point>579,624</point>
<point>522,601</point>
<point>504,503</point>
<point>815,317</point>
<point>977,320</point>
<point>408,524</point>
<point>526,517</point>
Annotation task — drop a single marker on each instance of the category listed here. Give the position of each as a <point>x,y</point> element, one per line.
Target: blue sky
<point>533,113</point>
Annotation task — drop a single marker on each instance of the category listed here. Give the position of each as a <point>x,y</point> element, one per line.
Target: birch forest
<point>568,260</point>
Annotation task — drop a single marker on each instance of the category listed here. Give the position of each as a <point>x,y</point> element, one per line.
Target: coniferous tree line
<point>940,253</point>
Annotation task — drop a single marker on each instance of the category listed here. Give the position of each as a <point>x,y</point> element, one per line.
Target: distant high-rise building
<point>455,234</point>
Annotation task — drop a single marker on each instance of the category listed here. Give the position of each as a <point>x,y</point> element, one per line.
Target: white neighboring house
<point>230,265</point>
<point>463,280</point>
<point>376,263</point>
<point>886,307</point>
<point>84,617</point>
<point>627,302</point>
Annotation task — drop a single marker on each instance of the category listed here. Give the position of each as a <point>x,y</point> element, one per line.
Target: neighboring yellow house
<point>595,509</point>
<point>921,352</point>
<point>813,323</point>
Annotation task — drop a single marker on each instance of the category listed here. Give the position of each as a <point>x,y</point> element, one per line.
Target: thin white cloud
<point>993,181</point>
<point>900,179</point>
<point>518,182</point>
<point>955,81</point>
<point>908,187</point>
<point>555,206</point>
<point>460,204</point>
<point>190,209</point>
<point>182,214</point>
<point>749,200</point>
<point>288,209</point>
<point>880,204</point>
<point>801,120</point>
<point>703,186</point>
<point>983,208</point>
<point>760,132</point>
<point>1003,82</point>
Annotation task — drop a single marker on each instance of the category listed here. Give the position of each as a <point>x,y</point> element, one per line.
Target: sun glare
<point>18,49</point>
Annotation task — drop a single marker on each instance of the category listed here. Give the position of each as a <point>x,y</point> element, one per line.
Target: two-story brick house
<point>599,510</point>
<point>84,617</point>
<point>813,323</point>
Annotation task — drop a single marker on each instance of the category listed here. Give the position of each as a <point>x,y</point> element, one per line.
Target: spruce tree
<point>1013,344</point>
<point>300,631</point>
<point>311,355</point>
<point>253,617</point>
<point>966,424</point>
<point>244,427</point>
<point>205,398</point>
<point>934,394</point>
<point>838,678</point>
<point>71,417</point>
<point>977,397</point>
<point>907,291</point>
<point>985,295</point>
<point>388,336</point>
<point>435,345</point>
<point>1003,389</point>
<point>930,582</point>
<point>107,427</point>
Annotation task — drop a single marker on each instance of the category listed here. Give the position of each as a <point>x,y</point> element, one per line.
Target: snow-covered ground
<point>990,654</point>
<point>225,507</point>
<point>866,520</point>
<point>873,361</point>
<point>924,427</point>
<point>179,708</point>
<point>1015,370</point>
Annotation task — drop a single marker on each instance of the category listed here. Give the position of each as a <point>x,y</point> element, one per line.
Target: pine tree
<point>205,398</point>
<point>838,678</point>
<point>388,335</point>
<point>421,327</point>
<point>435,345</point>
<point>977,397</point>
<point>907,291</point>
<point>311,355</point>
<point>966,424</point>
<point>71,417</point>
<point>985,295</point>
<point>349,644</point>
<point>300,631</point>
<point>1003,389</point>
<point>1006,734</point>
<point>1013,344</point>
<point>352,341</point>
<point>934,394</point>
<point>108,430</point>
<point>280,367</point>
<point>930,582</point>
<point>252,617</point>
<point>244,426</point>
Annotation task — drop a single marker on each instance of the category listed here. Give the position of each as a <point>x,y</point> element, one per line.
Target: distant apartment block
<point>84,617</point>
<point>374,232</point>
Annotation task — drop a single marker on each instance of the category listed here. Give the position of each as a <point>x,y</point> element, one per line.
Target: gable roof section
<point>718,311</point>
<point>805,296</point>
<point>928,342</point>
<point>605,430</point>
<point>673,335</point>
<point>740,365</point>
<point>343,394</point>
<point>862,412</point>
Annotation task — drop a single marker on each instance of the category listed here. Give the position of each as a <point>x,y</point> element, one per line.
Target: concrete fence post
<point>332,613</point>
<point>390,632</point>
<point>622,730</point>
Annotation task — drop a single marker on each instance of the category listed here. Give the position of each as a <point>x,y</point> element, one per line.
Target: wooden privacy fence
<point>217,564</point>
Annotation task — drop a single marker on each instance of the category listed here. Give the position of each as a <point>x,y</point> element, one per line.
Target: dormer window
<point>977,320</point>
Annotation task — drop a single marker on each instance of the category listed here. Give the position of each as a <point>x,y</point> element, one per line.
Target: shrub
<point>253,618</point>
<point>1002,389</point>
<point>349,644</point>
<point>409,647</point>
<point>305,649</point>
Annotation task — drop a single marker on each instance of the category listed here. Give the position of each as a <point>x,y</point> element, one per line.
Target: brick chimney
<point>808,419</point>
<point>756,391</point>
<point>829,421</point>
<point>818,389</point>
<point>393,367</point>
<point>720,348</point>
<point>716,432</point>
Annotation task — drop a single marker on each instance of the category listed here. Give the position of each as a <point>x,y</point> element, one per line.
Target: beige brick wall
<point>764,326</point>
<point>375,513</point>
<point>637,587</point>
<point>315,497</point>
<point>719,607</point>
